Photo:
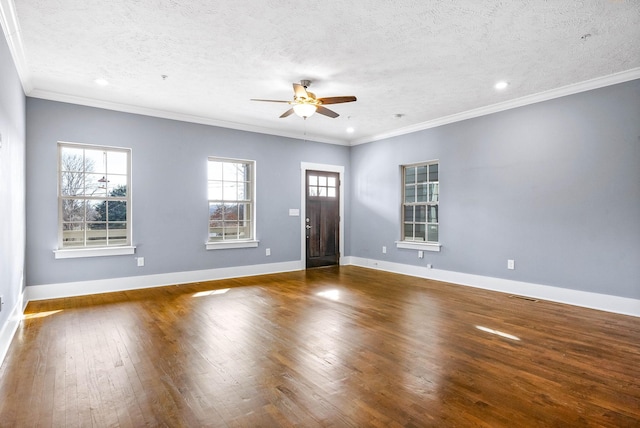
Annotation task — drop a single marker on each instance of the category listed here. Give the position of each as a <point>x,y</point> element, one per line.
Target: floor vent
<point>530,299</point>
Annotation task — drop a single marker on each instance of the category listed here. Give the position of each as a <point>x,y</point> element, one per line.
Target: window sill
<point>74,253</point>
<point>413,245</point>
<point>223,245</point>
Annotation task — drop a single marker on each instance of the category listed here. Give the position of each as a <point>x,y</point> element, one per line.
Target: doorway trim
<point>304,166</point>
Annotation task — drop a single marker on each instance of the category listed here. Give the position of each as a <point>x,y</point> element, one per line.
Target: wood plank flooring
<point>332,347</point>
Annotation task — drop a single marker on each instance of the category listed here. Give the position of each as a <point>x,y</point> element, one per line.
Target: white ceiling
<point>430,61</point>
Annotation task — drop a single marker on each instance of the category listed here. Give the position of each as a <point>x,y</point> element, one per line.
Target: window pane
<point>246,172</point>
<point>421,215</point>
<point>313,191</point>
<point>244,230</point>
<point>408,213</point>
<point>331,181</point>
<point>72,234</point>
<point>409,194</point>
<point>331,192</point>
<point>215,234</point>
<point>243,191</point>
<point>117,233</point>
<point>420,232</point>
<point>96,210</point>
<point>421,174</point>
<point>95,185</point>
<point>433,232</point>
<point>322,181</point>
<point>95,161</point>
<point>408,232</point>
<point>433,172</point>
<point>71,183</point>
<point>433,192</point>
<point>71,159</point>
<point>433,214</point>
<point>313,180</point>
<point>231,212</point>
<point>216,211</point>
<point>230,230</point>
<point>322,191</point>
<point>96,234</point>
<point>421,193</point>
<point>117,186</point>
<point>410,175</point>
<point>244,212</point>
<point>230,191</point>
<point>214,190</point>
<point>214,170</point>
<point>230,171</point>
<point>73,210</point>
<point>117,211</point>
<point>117,163</point>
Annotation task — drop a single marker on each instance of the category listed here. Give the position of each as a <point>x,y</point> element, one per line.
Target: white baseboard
<point>82,288</point>
<point>603,302</point>
<point>11,326</point>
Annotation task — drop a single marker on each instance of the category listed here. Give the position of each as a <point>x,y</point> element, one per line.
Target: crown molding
<point>128,108</point>
<point>599,82</point>
<point>11,29</point>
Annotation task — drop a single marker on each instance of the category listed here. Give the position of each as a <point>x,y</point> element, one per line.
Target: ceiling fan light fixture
<point>304,110</point>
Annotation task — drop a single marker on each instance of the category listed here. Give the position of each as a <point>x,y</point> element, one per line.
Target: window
<point>420,198</point>
<point>231,186</point>
<point>94,200</point>
<point>323,186</point>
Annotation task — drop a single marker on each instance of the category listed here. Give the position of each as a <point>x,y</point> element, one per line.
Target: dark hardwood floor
<point>338,347</point>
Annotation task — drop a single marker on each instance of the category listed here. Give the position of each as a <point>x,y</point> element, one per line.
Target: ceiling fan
<point>305,103</point>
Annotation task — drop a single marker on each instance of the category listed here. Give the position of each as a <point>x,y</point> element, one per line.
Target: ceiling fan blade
<point>300,91</point>
<point>325,111</point>
<point>287,113</point>
<point>271,101</point>
<point>337,100</point>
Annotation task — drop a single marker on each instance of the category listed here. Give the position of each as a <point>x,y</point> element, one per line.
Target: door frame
<point>304,166</point>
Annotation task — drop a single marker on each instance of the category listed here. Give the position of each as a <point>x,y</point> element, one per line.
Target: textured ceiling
<point>424,60</point>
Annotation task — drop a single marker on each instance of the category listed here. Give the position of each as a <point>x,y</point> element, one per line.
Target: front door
<point>322,222</point>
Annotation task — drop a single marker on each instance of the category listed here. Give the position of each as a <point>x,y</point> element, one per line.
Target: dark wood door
<point>322,222</point>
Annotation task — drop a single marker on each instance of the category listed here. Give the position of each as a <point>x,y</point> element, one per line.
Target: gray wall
<point>554,186</point>
<point>12,183</point>
<point>170,210</point>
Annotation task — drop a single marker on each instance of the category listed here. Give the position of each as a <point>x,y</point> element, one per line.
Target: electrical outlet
<point>268,251</point>
<point>384,250</point>
<point>511,264</point>
<point>140,261</point>
<point>420,254</point>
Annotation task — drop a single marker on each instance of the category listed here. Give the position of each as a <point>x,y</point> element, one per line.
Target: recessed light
<point>350,130</point>
<point>101,82</point>
<point>501,85</point>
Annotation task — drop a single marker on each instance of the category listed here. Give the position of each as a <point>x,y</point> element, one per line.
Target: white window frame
<point>250,242</point>
<point>413,244</point>
<point>94,251</point>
